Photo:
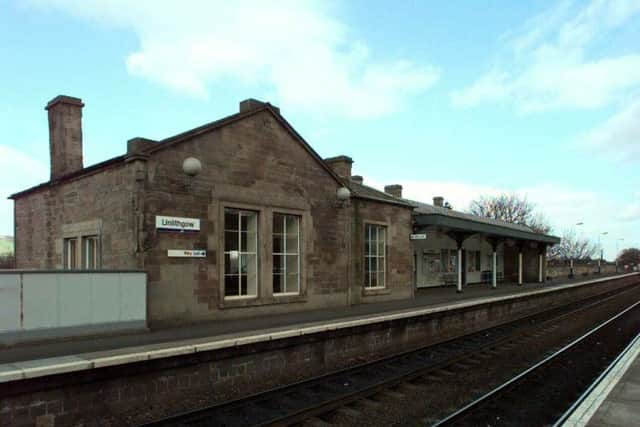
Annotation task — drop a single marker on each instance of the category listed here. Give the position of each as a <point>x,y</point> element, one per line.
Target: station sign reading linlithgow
<point>173,223</point>
<point>187,253</point>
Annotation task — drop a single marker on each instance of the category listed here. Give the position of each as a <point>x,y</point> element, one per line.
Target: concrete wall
<point>36,305</point>
<point>154,386</point>
<point>562,271</point>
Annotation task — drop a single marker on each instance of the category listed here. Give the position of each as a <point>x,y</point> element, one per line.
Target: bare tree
<point>629,256</point>
<point>510,208</point>
<point>573,247</point>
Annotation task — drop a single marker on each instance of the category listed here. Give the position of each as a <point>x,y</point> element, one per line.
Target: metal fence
<point>40,304</point>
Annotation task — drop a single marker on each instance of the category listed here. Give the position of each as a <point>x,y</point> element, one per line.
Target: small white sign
<point>174,223</point>
<point>187,253</point>
<point>418,237</point>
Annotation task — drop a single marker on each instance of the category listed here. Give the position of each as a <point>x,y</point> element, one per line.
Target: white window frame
<point>368,230</point>
<point>240,213</point>
<point>70,263</point>
<point>286,253</point>
<point>85,252</point>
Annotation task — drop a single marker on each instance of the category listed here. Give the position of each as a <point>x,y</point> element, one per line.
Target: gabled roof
<point>185,136</point>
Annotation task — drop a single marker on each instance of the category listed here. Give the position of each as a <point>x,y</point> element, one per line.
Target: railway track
<point>343,397</point>
<point>554,383</point>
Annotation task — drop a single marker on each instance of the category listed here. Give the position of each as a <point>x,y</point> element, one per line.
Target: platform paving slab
<point>621,408</point>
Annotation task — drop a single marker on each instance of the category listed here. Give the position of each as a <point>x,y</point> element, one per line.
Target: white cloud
<point>552,64</point>
<point>298,49</point>
<point>631,212</point>
<point>619,137</point>
<point>18,172</point>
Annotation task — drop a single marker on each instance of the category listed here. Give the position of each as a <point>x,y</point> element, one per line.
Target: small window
<point>449,259</point>
<point>473,261</point>
<point>286,254</point>
<point>71,254</point>
<point>90,252</point>
<point>240,253</point>
<point>375,243</point>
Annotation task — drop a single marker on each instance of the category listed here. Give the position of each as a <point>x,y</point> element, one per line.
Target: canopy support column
<point>459,289</point>
<point>494,270</point>
<point>494,242</point>
<point>520,263</point>
<point>459,238</point>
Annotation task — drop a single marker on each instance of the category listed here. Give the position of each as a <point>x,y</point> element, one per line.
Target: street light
<point>617,241</point>
<point>571,275</point>
<point>604,233</point>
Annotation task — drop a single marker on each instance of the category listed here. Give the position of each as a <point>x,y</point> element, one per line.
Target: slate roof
<point>427,209</point>
<point>366,192</point>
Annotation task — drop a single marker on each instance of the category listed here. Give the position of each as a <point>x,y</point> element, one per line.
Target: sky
<point>458,99</point>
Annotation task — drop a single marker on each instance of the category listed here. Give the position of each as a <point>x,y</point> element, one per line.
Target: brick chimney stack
<point>395,190</point>
<point>341,165</point>
<point>65,135</point>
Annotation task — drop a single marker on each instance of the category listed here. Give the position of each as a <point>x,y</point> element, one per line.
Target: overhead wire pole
<point>604,233</point>
<point>617,251</point>
<point>571,273</point>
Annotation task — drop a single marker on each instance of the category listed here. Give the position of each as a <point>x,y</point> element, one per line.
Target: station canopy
<point>428,216</point>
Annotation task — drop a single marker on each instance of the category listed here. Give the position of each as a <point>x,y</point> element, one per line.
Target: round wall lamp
<point>191,166</point>
<point>343,194</point>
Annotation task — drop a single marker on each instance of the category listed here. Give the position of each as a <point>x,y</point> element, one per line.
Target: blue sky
<point>457,98</point>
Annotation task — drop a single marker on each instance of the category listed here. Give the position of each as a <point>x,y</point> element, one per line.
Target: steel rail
<point>596,383</point>
<point>465,409</point>
<point>331,404</point>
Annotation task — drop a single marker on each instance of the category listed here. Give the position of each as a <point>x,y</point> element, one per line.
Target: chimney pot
<point>357,179</point>
<point>65,135</point>
<point>438,201</point>
<point>395,190</point>
<point>138,145</point>
<point>341,165</point>
<point>254,104</point>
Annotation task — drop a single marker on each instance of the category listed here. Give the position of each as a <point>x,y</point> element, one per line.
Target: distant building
<point>241,216</point>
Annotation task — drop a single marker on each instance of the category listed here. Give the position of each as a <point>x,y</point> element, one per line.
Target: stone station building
<point>241,217</point>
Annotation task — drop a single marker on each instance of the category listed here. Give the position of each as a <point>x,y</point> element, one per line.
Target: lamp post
<point>571,275</point>
<point>617,250</point>
<point>604,233</point>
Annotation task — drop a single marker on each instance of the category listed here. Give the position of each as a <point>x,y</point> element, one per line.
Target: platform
<point>34,360</point>
<point>615,401</point>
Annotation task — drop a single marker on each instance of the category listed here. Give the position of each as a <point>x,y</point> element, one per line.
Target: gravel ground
<point>428,399</point>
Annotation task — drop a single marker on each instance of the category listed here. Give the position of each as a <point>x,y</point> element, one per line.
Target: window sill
<point>375,291</point>
<point>240,302</point>
<point>286,294</point>
<point>240,297</point>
